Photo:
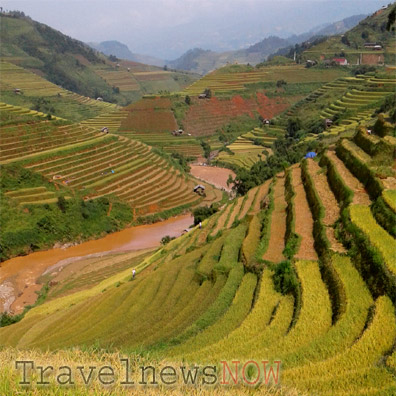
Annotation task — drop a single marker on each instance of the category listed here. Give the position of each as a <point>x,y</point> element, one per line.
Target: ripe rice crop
<point>362,217</point>
<point>232,318</point>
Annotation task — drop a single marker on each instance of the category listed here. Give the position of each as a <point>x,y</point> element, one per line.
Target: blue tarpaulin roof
<point>311,154</point>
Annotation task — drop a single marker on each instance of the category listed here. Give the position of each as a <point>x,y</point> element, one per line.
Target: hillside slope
<point>76,66</point>
<point>357,45</point>
<point>122,51</point>
<point>204,61</point>
<point>213,297</point>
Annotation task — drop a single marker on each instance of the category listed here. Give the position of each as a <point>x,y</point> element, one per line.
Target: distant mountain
<point>329,29</point>
<point>122,51</point>
<point>354,43</point>
<point>202,61</point>
<point>78,67</point>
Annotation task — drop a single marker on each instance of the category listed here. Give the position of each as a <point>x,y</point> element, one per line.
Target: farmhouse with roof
<point>340,61</point>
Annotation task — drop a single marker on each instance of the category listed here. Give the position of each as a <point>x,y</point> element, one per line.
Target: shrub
<point>203,212</point>
<point>166,239</point>
<point>382,127</point>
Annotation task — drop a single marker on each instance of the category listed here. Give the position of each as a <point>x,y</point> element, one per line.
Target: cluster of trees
<point>40,226</point>
<point>285,153</point>
<point>202,213</point>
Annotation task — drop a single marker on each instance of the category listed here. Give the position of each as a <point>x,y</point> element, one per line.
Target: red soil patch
<point>204,117</point>
<point>213,175</point>
<point>150,115</point>
<point>149,120</point>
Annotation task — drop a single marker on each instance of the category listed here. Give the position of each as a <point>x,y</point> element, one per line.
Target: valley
<point>179,221</point>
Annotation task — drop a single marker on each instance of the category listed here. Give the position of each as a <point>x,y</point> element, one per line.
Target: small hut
<point>199,189</point>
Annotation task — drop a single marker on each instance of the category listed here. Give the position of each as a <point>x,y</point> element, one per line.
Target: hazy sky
<point>167,28</point>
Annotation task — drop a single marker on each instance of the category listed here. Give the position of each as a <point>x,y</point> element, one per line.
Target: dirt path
<point>329,201</point>
<point>18,276</point>
<point>278,224</point>
<point>360,196</point>
<point>213,175</point>
<point>304,220</point>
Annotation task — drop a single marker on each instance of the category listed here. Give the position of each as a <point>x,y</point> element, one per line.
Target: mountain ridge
<point>204,61</point>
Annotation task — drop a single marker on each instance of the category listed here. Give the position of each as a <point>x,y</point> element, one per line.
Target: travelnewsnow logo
<point>127,374</point>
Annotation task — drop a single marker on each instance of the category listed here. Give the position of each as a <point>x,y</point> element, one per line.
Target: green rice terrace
<point>292,266</point>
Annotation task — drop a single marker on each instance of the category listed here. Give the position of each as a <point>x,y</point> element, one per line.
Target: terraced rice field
<point>15,77</point>
<point>112,121</point>
<point>121,79</point>
<point>205,116</point>
<point>151,121</point>
<point>360,94</point>
<point>223,80</point>
<point>246,150</point>
<point>201,302</point>
<point>14,112</point>
<point>126,168</point>
<point>18,141</point>
<point>32,196</point>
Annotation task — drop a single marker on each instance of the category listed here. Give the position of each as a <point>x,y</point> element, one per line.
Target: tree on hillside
<point>206,148</point>
<point>391,20</point>
<point>187,100</point>
<point>293,126</point>
<point>280,83</point>
<point>202,213</point>
<point>208,93</point>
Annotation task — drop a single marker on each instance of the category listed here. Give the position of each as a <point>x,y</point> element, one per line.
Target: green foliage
<point>208,93</point>
<point>285,153</point>
<point>381,127</point>
<point>182,161</point>
<point>294,125</point>
<point>7,319</point>
<point>342,192</point>
<point>203,212</point>
<point>360,169</point>
<point>285,279</point>
<point>62,203</point>
<point>187,100</point>
<point>166,239</point>
<point>391,20</point>
<point>368,258</point>
<point>281,83</point>
<point>206,148</point>
<point>384,215</point>
<point>34,227</point>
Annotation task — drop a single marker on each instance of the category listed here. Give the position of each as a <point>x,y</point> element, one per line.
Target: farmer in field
<point>133,273</point>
